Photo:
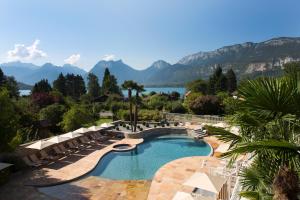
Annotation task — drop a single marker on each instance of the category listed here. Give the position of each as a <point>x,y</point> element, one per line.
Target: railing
<point>193,118</point>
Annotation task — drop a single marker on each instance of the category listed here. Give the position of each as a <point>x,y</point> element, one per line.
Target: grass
<point>103,120</point>
<point>98,122</point>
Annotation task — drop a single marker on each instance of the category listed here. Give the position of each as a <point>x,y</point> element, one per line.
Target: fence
<point>193,118</point>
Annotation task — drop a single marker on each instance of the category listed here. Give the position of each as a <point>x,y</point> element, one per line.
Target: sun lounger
<point>58,151</point>
<point>30,163</point>
<point>80,146</point>
<point>72,146</point>
<point>46,156</point>
<point>85,140</point>
<point>35,159</point>
<point>63,148</point>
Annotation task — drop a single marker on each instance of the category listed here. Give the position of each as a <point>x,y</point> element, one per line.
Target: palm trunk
<point>130,108</point>
<point>136,110</point>
<point>286,184</point>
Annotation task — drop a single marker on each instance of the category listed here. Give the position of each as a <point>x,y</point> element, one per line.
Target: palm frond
<point>282,146</point>
<point>223,135</point>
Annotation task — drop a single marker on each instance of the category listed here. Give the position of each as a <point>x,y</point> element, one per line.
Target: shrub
<point>53,113</point>
<point>175,123</point>
<point>117,129</point>
<point>157,102</point>
<point>176,107</point>
<point>75,118</point>
<point>42,99</point>
<point>162,125</point>
<point>206,105</point>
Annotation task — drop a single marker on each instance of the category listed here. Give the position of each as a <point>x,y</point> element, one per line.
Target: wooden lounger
<point>45,156</point>
<point>58,151</point>
<point>30,163</point>
<point>35,159</point>
<point>64,149</point>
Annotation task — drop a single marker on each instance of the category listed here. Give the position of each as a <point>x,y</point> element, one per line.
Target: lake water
<point>180,90</point>
<point>24,92</point>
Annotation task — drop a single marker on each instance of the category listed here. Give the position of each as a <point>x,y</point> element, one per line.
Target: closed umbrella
<point>95,128</point>
<point>71,135</point>
<point>58,139</point>
<point>41,144</point>
<point>82,130</point>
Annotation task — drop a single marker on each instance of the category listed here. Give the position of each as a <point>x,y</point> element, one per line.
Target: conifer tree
<point>60,84</point>
<point>42,86</point>
<point>231,81</point>
<point>93,86</point>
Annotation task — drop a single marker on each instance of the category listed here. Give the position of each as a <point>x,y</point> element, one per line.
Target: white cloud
<point>73,59</point>
<point>109,57</point>
<point>22,52</point>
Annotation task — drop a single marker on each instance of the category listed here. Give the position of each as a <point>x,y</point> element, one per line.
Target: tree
<point>106,82</point>
<point>217,81</point>
<point>2,78</point>
<point>110,84</point>
<point>268,117</point>
<point>12,86</point>
<point>129,85</point>
<point>8,120</point>
<point>75,86</point>
<point>206,105</point>
<point>41,86</point>
<point>75,118</point>
<point>60,84</point>
<point>138,90</point>
<point>198,86</point>
<point>174,96</point>
<point>231,81</point>
<point>93,86</point>
<point>42,99</point>
<point>53,113</point>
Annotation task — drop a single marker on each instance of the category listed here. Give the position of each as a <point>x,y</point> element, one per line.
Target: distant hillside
<point>30,74</point>
<point>247,60</point>
<point>23,86</point>
<point>118,69</point>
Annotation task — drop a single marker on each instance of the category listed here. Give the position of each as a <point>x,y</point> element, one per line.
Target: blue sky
<point>137,31</point>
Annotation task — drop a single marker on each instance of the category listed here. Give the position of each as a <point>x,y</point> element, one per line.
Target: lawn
<point>98,122</point>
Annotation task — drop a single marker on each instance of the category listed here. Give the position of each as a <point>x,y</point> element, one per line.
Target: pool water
<point>148,157</point>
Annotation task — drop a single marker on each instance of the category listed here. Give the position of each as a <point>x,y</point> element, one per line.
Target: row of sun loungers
<point>60,150</point>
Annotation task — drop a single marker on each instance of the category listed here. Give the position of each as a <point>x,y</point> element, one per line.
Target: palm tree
<point>138,89</point>
<point>129,85</point>
<point>269,122</point>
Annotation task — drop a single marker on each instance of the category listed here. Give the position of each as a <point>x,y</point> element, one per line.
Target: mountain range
<point>247,60</point>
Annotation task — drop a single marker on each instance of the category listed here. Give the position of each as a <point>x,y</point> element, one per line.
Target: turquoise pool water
<point>148,157</point>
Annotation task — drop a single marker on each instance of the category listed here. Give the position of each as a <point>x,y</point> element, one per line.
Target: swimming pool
<point>148,157</point>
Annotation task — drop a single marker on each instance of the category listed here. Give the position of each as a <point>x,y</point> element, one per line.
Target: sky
<point>82,32</point>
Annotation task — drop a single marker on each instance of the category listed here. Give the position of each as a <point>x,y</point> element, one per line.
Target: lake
<point>24,92</point>
<point>180,90</point>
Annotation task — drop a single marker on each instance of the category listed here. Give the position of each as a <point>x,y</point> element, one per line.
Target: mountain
<point>23,86</point>
<point>248,58</point>
<point>29,74</point>
<point>117,68</point>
